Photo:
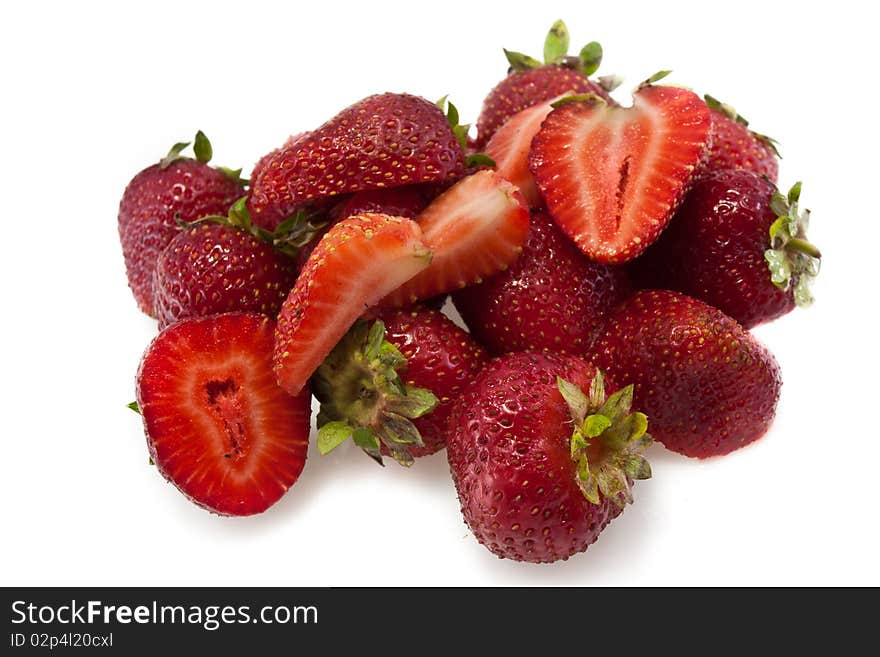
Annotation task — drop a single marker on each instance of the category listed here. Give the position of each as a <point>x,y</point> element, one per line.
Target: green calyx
<point>363,397</point>
<point>461,134</point>
<point>556,46</point>
<point>291,234</point>
<point>791,258</point>
<point>134,406</point>
<point>203,152</point>
<point>607,442</point>
<point>730,112</point>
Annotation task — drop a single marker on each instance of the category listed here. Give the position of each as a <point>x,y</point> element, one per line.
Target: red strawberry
<point>552,297</point>
<point>265,159</point>
<point>734,146</point>
<point>176,187</point>
<point>707,384</point>
<point>476,229</point>
<point>214,268</point>
<point>738,245</point>
<point>380,142</point>
<point>531,82</point>
<point>407,201</point>
<point>613,176</point>
<point>541,460</point>
<point>358,261</point>
<point>394,382</point>
<point>218,426</point>
<point>510,145</point>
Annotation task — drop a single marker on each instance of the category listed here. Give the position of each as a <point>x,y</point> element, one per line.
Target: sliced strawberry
<point>510,145</point>
<point>218,426</point>
<point>476,228</point>
<point>612,176</point>
<point>358,261</point>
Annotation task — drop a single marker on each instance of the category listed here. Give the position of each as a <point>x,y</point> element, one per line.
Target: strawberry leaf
<point>134,406</point>
<point>202,148</point>
<point>332,435</point>
<point>556,43</point>
<point>591,56</point>
<point>519,61</point>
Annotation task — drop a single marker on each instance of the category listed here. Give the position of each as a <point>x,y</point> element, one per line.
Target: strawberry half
<point>612,176</point>
<point>358,261</point>
<point>510,145</point>
<point>476,228</point>
<point>218,426</point>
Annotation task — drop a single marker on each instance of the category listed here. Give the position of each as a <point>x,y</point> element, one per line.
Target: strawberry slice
<point>358,261</point>
<point>510,145</point>
<point>613,176</point>
<point>218,426</point>
<point>476,228</point>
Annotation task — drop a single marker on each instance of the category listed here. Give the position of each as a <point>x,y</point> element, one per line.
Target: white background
<point>93,93</point>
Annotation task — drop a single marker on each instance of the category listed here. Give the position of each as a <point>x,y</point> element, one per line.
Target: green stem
<point>803,246</point>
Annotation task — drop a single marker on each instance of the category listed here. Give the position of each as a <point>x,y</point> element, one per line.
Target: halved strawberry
<point>613,176</point>
<point>510,145</point>
<point>218,426</point>
<point>476,228</point>
<point>358,261</point>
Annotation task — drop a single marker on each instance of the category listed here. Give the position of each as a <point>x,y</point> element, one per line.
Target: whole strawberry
<point>737,244</point>
<point>382,141</point>
<point>218,426</point>
<point>530,82</point>
<point>707,384</point>
<point>551,298</point>
<point>213,268</point>
<point>410,366</point>
<point>735,146</point>
<point>176,187</point>
<point>542,461</point>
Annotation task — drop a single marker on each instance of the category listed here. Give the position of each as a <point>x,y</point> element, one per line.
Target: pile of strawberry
<point>607,260</point>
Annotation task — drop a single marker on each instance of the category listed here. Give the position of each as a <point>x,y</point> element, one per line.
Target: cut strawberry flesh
<point>476,228</point>
<point>612,176</point>
<point>510,146</point>
<point>359,261</point>
<point>218,426</point>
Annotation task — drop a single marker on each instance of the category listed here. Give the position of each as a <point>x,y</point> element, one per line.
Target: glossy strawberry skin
<point>707,386</point>
<point>213,268</point>
<point>551,298</point>
<point>357,262</point>
<point>509,454</point>
<point>612,177</point>
<point>218,427</point>
<point>714,247</point>
<point>407,201</point>
<point>523,89</point>
<point>440,357</point>
<point>734,146</point>
<point>147,213</point>
<point>383,141</point>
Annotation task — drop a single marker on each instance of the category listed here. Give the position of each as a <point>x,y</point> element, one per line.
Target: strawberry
<point>476,228</point>
<point>552,297</point>
<point>737,244</point>
<point>380,142</point>
<point>542,461</point>
<point>218,426</point>
<point>265,159</point>
<point>510,145</point>
<point>214,268</point>
<point>406,201</point>
<point>530,82</point>
<point>391,385</point>
<point>707,384</point>
<point>358,261</point>
<point>613,176</point>
<point>175,187</point>
<point>735,146</point>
